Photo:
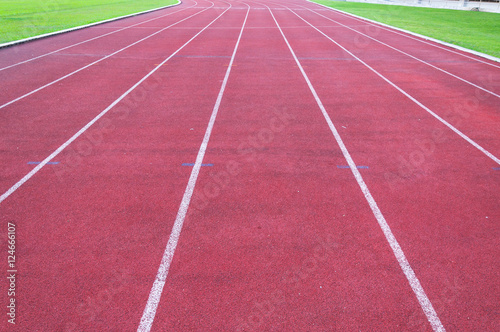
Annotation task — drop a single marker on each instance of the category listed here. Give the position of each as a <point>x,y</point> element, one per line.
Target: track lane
<point>45,114</point>
<point>159,282</point>
<point>413,281</point>
<point>108,248</point>
<point>438,201</point>
<point>268,243</point>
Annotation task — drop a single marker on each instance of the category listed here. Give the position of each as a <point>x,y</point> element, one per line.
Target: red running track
<point>249,166</point>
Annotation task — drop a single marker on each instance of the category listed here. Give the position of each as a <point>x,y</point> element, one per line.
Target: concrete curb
<point>22,41</point>
<point>460,48</point>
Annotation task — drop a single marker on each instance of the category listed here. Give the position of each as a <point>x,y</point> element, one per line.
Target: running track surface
<point>249,166</point>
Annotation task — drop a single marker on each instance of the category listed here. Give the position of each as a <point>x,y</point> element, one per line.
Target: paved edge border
<point>460,48</point>
<point>50,34</point>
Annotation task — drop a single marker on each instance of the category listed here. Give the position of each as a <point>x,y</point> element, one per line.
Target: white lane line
<point>424,301</point>
<point>420,38</point>
<point>94,38</point>
<point>97,61</point>
<point>407,54</point>
<point>88,125</point>
<point>154,297</point>
<point>465,137</point>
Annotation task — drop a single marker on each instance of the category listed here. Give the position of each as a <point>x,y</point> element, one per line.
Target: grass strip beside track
<point>477,31</point>
<point>21,19</point>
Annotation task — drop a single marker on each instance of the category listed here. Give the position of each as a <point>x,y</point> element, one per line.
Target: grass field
<point>26,18</point>
<point>477,31</point>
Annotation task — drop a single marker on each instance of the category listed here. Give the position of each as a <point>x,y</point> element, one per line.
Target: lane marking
<point>421,38</point>
<point>39,162</point>
<point>157,289</point>
<point>97,61</point>
<point>88,125</point>
<point>358,167</point>
<point>202,165</point>
<point>94,38</point>
<point>417,288</point>
<point>465,137</point>
<point>409,55</point>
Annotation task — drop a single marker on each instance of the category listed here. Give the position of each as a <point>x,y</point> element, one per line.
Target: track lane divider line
<point>88,125</point>
<point>443,121</point>
<point>407,54</point>
<point>94,38</point>
<point>102,59</point>
<point>421,38</point>
<point>157,288</point>
<point>417,288</point>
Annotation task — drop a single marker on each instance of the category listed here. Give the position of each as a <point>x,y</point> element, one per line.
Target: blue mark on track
<point>358,167</point>
<point>496,168</point>
<point>192,164</point>
<point>39,162</point>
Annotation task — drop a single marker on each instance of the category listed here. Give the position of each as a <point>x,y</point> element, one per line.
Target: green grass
<point>477,31</point>
<point>20,19</point>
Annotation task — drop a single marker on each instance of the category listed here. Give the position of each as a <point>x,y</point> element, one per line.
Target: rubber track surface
<point>278,235</point>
